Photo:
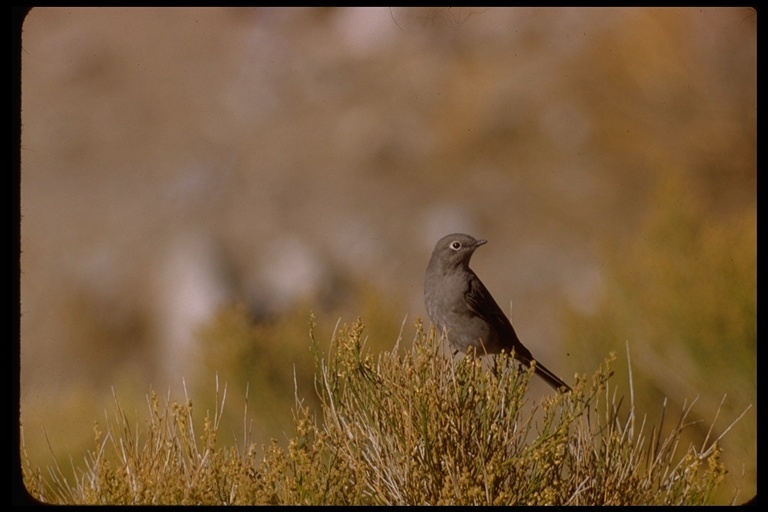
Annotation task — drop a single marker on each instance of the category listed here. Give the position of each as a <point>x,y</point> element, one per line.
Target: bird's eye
<point>455,246</point>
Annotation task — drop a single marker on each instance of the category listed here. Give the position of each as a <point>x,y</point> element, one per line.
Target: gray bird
<point>459,304</point>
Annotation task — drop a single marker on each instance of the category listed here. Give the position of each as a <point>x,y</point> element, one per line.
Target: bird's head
<point>454,250</point>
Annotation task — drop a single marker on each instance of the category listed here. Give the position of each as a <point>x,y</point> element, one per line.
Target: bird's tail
<point>549,377</point>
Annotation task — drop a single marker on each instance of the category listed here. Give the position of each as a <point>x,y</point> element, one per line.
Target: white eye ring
<point>455,246</point>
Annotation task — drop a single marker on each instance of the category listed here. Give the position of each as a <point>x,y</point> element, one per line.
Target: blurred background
<point>196,182</point>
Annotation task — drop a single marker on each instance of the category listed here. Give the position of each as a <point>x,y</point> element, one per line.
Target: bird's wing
<point>482,304</point>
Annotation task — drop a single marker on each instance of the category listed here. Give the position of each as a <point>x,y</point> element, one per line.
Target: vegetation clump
<point>401,427</point>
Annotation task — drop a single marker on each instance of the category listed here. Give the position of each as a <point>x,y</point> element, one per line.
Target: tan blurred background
<point>177,161</point>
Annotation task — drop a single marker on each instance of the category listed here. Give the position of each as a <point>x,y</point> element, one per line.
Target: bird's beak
<point>478,243</point>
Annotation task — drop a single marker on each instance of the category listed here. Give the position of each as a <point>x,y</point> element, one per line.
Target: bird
<point>459,304</point>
